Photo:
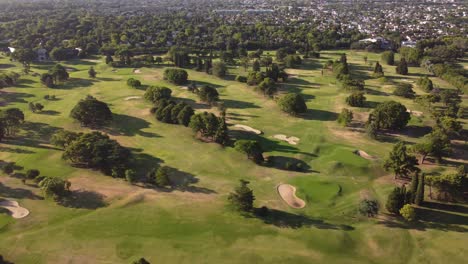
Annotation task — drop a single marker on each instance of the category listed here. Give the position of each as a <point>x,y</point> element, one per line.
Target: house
<point>408,43</point>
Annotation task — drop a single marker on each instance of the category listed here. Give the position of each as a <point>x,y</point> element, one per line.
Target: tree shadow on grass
<point>49,112</point>
<point>130,126</point>
<point>288,164</point>
<point>83,199</point>
<point>13,97</point>
<point>183,181</point>
<point>16,150</point>
<point>40,132</point>
<point>18,193</point>
<point>235,104</point>
<point>284,219</point>
<point>321,115</point>
<point>75,83</point>
<point>201,83</point>
<point>195,105</point>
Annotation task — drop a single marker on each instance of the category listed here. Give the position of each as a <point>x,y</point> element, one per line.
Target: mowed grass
<point>194,226</point>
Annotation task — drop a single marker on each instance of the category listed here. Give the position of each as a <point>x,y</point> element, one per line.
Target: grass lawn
<point>114,222</point>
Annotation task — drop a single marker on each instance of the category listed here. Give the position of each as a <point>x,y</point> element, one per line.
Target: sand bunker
<point>249,129</point>
<point>136,71</point>
<point>364,155</point>
<point>132,98</point>
<point>415,113</point>
<point>288,194</point>
<point>15,209</point>
<point>290,140</point>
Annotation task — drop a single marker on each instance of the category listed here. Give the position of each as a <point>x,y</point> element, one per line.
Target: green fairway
<point>115,222</point>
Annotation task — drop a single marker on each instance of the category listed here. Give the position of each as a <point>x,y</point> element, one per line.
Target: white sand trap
<point>184,87</point>
<point>364,155</point>
<point>136,71</point>
<point>132,98</point>
<point>288,194</point>
<point>290,140</point>
<point>249,129</point>
<point>415,113</point>
<point>16,210</point>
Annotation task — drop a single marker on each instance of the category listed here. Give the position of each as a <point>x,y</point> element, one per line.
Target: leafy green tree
<point>219,69</point>
<point>369,208</point>
<point>208,94</point>
<point>130,175</point>
<point>450,97</point>
<point>91,112</point>
<point>356,99</point>
<point>156,93</point>
<point>436,144</point>
<point>48,80</point>
<point>404,90</point>
<point>162,176</point>
<point>395,200</point>
<point>209,127</point>
<point>390,115</point>
<point>242,198</point>
<point>109,59</point>
<point>292,61</point>
<point>419,194</point>
<point>267,87</point>
<point>256,66</point>
<point>402,67</point>
<point>12,119</point>
<point>400,162</point>
<point>292,104</point>
<point>39,107</point>
<point>25,56</point>
<point>408,213</point>
<point>450,185</point>
<point>55,187</point>
<point>63,138</point>
<point>8,167</point>
<point>378,70</point>
<point>426,84</point>
<point>32,174</point>
<point>92,73</point>
<point>449,126</point>
<point>134,83</point>
<point>176,76</point>
<point>345,117</point>
<point>184,115</point>
<point>252,148</point>
<point>59,73</point>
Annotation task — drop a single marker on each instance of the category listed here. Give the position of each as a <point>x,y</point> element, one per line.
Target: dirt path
<point>16,210</point>
<point>290,140</point>
<point>249,129</point>
<point>288,194</point>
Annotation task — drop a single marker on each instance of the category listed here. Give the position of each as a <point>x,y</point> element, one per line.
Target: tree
<point>55,187</point>
<point>59,73</point>
<point>48,80</point>
<point>267,87</point>
<point>63,138</point>
<point>449,126</point>
<point>92,73</point>
<point>345,117</point>
<point>402,67</point>
<point>176,76</point>
<point>292,104</point>
<point>242,198</point>
<point>400,162</point>
<point>419,194</point>
<point>91,112</point>
<point>130,175</point>
<point>32,174</point>
<point>425,83</point>
<point>252,148</point>
<point>208,94</point>
<point>356,99</point>
<point>371,130</point>
<point>390,115</point>
<point>39,107</point>
<point>134,83</point>
<point>161,178</point>
<point>158,60</point>
<point>292,61</point>
<point>369,208</point>
<point>219,69</point>
<point>97,151</point>
<point>378,70</point>
<point>404,90</point>
<point>396,200</point>
<point>8,167</point>
<point>209,126</point>
<point>184,115</point>
<point>156,93</point>
<point>408,213</point>
<point>25,57</point>
<point>256,66</point>
<point>109,59</point>
<point>141,261</point>
<point>12,119</point>
<point>388,57</point>
<point>450,185</point>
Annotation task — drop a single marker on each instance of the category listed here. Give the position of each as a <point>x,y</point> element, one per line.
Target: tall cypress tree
<point>414,186</point>
<point>419,198</point>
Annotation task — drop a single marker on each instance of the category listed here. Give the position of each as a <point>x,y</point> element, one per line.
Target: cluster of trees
<point>8,79</point>
<point>91,112</point>
<point>35,107</point>
<point>55,76</point>
<point>11,120</point>
<point>426,84</point>
<point>292,104</point>
<point>404,90</point>
<point>265,82</point>
<point>341,72</point>
<point>451,186</point>
<point>55,187</point>
<point>400,200</point>
<point>387,115</point>
<point>159,176</point>
<point>210,127</point>
<point>176,76</point>
<point>93,150</point>
<point>251,148</point>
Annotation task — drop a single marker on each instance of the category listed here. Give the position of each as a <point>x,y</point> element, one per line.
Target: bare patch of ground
<point>290,140</point>
<point>14,208</point>
<point>249,129</point>
<point>132,98</point>
<point>415,113</point>
<point>364,154</point>
<point>137,71</point>
<point>288,194</point>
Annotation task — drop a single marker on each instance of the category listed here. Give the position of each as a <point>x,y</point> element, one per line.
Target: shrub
<point>219,69</point>
<point>388,57</point>
<point>208,94</point>
<point>408,213</point>
<point>389,115</point>
<point>176,76</point>
<point>241,78</point>
<point>156,93</point>
<point>91,112</point>
<point>356,99</point>
<point>404,90</point>
<point>134,83</point>
<point>426,84</point>
<point>292,104</point>
<point>252,148</point>
<point>368,208</point>
<point>345,117</point>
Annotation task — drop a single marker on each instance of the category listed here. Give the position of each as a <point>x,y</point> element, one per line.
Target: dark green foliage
<point>389,115</point>
<point>184,115</point>
<point>63,138</point>
<point>292,61</point>
<point>208,94</point>
<point>32,174</point>
<point>402,67</point>
<point>256,66</point>
<point>59,73</point>
<point>130,175</point>
<point>176,76</point>
<point>134,83</point>
<point>8,79</point>
<point>241,78</point>
<point>414,187</point>
<point>404,90</point>
<point>97,151</point>
<point>255,77</point>
<point>426,84</point>
<point>388,57</point>
<point>378,70</point>
<point>242,198</point>
<point>48,80</point>
<point>267,87</point>
<point>141,261</point>
<point>11,121</point>
<point>8,167</point>
<point>345,117</point>
<point>252,148</point>
<point>92,73</point>
<point>55,187</point>
<point>369,208</point>
<point>419,194</point>
<point>156,93</point>
<point>450,186</point>
<point>161,177</point>
<point>209,127</point>
<point>400,162</point>
<point>396,200</point>
<point>292,104</point>
<point>109,59</point>
<point>91,112</point>
<point>356,99</point>
<point>219,69</point>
